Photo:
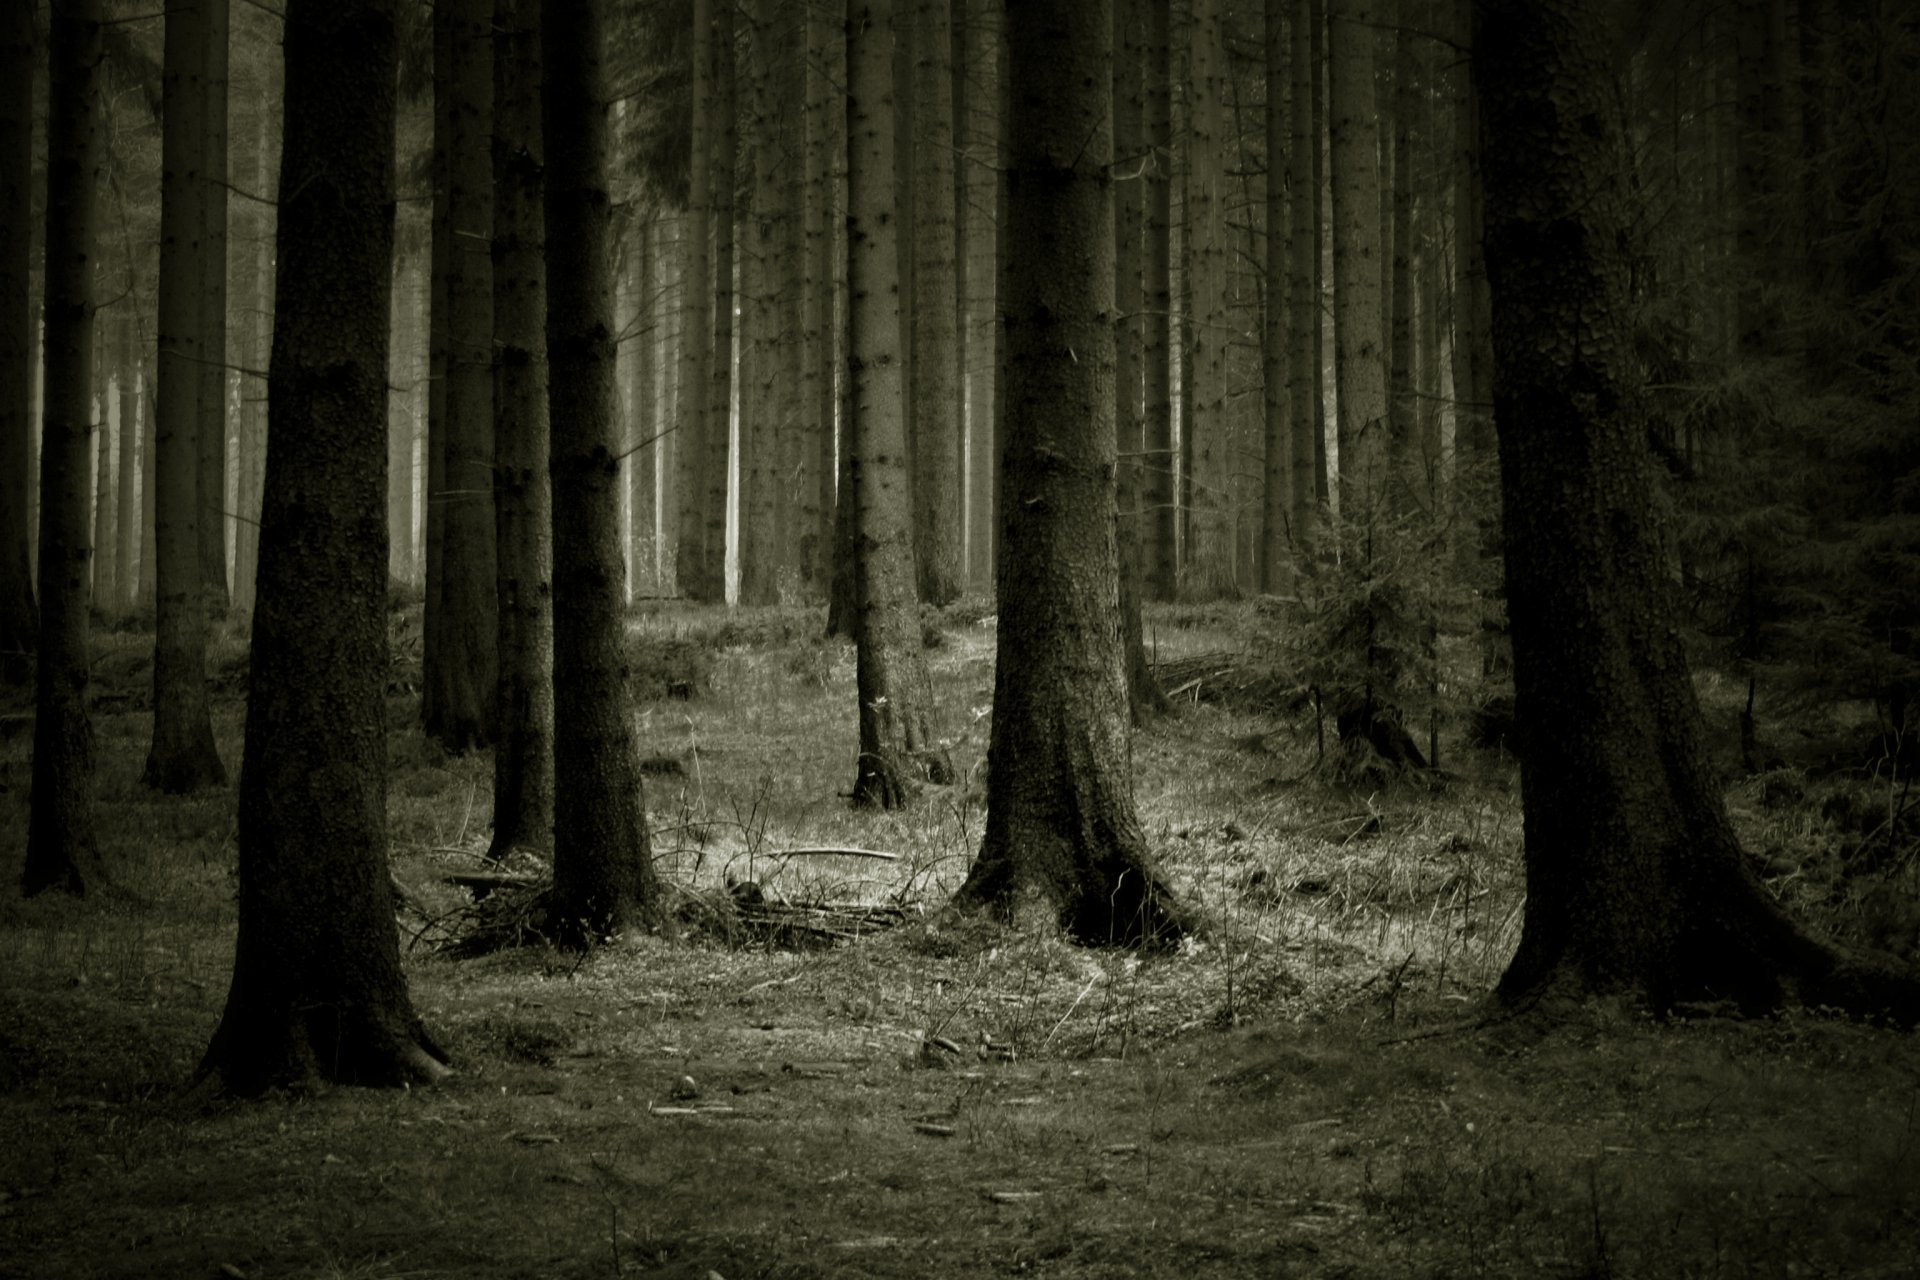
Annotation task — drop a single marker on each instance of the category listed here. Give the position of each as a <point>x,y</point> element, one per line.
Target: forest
<point>1090,638</point>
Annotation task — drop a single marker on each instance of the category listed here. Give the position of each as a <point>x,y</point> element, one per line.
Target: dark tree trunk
<point>892,678</point>
<point>1636,883</point>
<point>1161,555</point>
<point>211,299</point>
<point>523,756</point>
<point>318,994</point>
<point>696,325</point>
<point>61,849</point>
<point>461,675</point>
<point>19,620</point>
<point>710,495</point>
<point>182,757</point>
<point>934,362</point>
<point>1062,834</point>
<point>603,879</point>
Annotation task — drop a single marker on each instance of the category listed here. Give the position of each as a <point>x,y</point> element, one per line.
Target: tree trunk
<point>1308,412</point>
<point>105,536</point>
<point>1276,506</point>
<point>717,452</point>
<point>62,852</point>
<point>603,879</point>
<point>258,349</point>
<point>126,500</point>
<point>814,523</point>
<point>19,620</point>
<point>1161,556</point>
<point>1404,486</point>
<point>692,567</point>
<point>318,994</point>
<point>1317,40</point>
<point>760,391</point>
<point>183,757</point>
<point>211,435</point>
<point>934,363</point>
<point>892,678</point>
<point>1206,439</point>
<point>433,612</point>
<point>1359,367</point>
<point>979,176</point>
<point>523,757</point>
<point>1636,883</point>
<point>643,423</point>
<point>461,678</point>
<point>1062,833</point>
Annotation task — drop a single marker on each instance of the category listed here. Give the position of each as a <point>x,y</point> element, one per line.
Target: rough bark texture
<point>1161,555</point>
<point>126,500</point>
<point>211,371</point>
<point>318,994</point>
<point>19,620</point>
<point>1207,568</point>
<point>1406,484</point>
<point>182,757</point>
<point>61,848</point>
<point>603,879</point>
<point>1308,412</point>
<point>934,364</point>
<point>891,676</point>
<point>106,561</point>
<point>761,392</point>
<point>1062,833</point>
<point>460,673</point>
<point>710,496</point>
<point>814,499</point>
<point>1277,321</point>
<point>976,107</point>
<point>1636,883</point>
<point>1359,364</point>
<point>694,573</point>
<point>523,756</point>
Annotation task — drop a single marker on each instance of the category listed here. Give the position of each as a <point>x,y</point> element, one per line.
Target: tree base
<point>302,1058</point>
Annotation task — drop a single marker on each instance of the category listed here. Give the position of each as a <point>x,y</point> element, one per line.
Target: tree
<point>318,994</point>
<point>1307,426</point>
<point>523,755</point>
<point>19,619</point>
<point>210,437</point>
<point>603,878</point>
<point>183,756</point>
<point>1062,833</point>
<point>61,849</point>
<point>1206,439</point>
<point>709,496</point>
<point>891,673</point>
<point>461,663</point>
<point>1161,554</point>
<point>696,330</point>
<point>1278,320</point>
<point>934,363</point>
<point>1636,883</point>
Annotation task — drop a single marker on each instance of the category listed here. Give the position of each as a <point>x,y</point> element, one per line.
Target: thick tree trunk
<point>603,878</point>
<point>1062,833</point>
<point>318,994</point>
<point>813,530</point>
<point>523,757</point>
<point>761,406</point>
<point>979,34</point>
<point>891,676</point>
<point>717,444</point>
<point>1161,555</point>
<point>19,620</point>
<point>1636,883</point>
<point>691,561</point>
<point>934,363</point>
<point>1207,435</point>
<point>61,849</point>
<point>182,757</point>
<point>211,436</point>
<point>461,676</point>
<point>1276,508</point>
<point>1359,365</point>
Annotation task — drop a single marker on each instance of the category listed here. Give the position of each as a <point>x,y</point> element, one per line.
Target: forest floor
<point>849,1083</point>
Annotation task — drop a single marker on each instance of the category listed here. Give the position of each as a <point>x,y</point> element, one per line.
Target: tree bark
<point>461,676</point>
<point>696,324</point>
<point>1162,552</point>
<point>183,757</point>
<point>814,496</point>
<point>979,34</point>
<point>105,536</point>
<point>211,371</point>
<point>523,784</point>
<point>761,406</point>
<point>126,500</point>
<point>710,496</point>
<point>1207,568</point>
<point>1276,508</point>
<point>19,617</point>
<point>934,363</point>
<point>1359,365</point>
<point>318,994</point>
<point>1308,410</point>
<point>1636,884</point>
<point>1062,833</point>
<point>891,673</point>
<point>62,852</point>
<point>603,878</point>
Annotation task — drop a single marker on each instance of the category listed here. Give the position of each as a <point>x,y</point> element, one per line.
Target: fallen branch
<point>831,851</point>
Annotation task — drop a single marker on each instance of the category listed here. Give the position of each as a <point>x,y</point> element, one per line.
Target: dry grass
<point>1295,1092</point>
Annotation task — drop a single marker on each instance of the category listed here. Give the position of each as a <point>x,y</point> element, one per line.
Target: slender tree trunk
<point>1307,411</point>
<point>62,852</point>
<point>1405,485</point>
<point>696,581</point>
<point>19,619</point>
<point>979,178</point>
<point>934,363</point>
<point>716,458</point>
<point>183,756</point>
<point>1322,233</point>
<point>126,500</point>
<point>1636,883</point>
<point>892,678</point>
<point>1062,834</point>
<point>1277,490</point>
<point>318,993</point>
<point>603,879</point>
<point>433,613</point>
<point>523,782</point>
<point>1207,435</point>
<point>814,525</point>
<point>760,393</point>
<point>149,496</point>
<point>1162,552</point>
<point>211,438</point>
<point>461,679</point>
<point>258,348</point>
<point>106,417</point>
<point>1359,367</point>
<point>642,419</point>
